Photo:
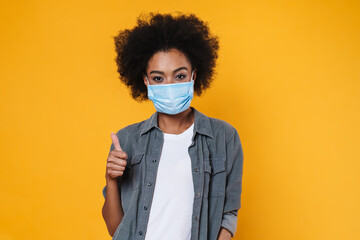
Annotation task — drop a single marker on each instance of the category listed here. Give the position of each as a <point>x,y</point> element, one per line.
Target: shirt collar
<point>201,124</point>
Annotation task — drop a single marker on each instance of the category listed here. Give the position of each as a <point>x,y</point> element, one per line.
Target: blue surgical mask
<point>171,98</point>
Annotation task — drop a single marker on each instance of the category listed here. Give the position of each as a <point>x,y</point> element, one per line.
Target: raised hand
<point>116,161</point>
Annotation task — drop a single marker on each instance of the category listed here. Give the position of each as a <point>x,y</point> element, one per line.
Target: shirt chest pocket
<point>132,174</point>
<point>215,175</point>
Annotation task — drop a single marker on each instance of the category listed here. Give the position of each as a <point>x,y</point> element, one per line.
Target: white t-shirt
<point>172,204</point>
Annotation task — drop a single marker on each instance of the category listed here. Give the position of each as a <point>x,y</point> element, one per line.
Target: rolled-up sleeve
<point>235,156</point>
<point>229,221</point>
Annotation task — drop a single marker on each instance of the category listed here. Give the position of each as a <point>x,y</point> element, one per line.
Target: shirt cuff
<point>229,221</point>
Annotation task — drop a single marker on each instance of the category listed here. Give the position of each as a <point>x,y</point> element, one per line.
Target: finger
<point>114,173</point>
<point>113,166</point>
<point>117,161</point>
<point>119,154</point>
<point>115,141</point>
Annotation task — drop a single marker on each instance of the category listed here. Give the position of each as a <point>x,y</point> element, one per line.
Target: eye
<point>157,79</point>
<point>181,76</point>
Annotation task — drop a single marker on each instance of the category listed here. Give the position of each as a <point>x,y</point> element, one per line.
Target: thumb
<point>115,141</point>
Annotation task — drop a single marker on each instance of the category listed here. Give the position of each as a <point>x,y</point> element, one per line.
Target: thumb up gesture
<point>116,161</point>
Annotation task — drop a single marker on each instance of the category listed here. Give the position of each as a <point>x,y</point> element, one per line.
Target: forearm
<point>224,234</point>
<point>112,210</point>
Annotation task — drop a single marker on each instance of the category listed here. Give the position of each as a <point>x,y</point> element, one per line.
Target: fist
<point>116,161</point>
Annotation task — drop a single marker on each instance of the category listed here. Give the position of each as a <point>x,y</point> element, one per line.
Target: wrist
<point>111,181</point>
<point>115,181</point>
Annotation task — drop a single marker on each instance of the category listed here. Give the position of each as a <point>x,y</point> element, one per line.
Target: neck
<point>176,124</point>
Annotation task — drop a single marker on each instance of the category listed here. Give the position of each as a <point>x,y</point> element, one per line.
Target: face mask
<point>171,98</point>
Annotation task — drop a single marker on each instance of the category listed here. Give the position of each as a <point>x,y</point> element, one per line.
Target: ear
<point>144,78</point>
<point>194,74</point>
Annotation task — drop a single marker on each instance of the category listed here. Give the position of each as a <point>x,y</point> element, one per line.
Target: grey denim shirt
<point>217,166</point>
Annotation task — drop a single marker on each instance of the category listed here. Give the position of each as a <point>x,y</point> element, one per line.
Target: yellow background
<point>288,80</point>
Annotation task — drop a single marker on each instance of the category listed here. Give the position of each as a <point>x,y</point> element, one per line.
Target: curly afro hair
<point>162,32</point>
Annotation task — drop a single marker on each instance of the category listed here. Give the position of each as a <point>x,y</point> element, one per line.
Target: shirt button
<point>196,169</point>
<point>145,207</point>
<point>196,218</point>
<point>149,183</point>
<point>154,160</point>
<point>140,232</point>
<point>198,194</point>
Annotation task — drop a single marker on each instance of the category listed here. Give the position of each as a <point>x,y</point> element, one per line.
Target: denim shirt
<point>217,165</point>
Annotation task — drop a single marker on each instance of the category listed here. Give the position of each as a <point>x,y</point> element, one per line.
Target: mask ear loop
<point>147,80</point>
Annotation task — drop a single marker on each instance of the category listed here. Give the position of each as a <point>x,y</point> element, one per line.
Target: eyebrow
<point>176,70</point>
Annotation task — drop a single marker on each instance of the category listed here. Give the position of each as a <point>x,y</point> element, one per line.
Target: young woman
<point>178,174</point>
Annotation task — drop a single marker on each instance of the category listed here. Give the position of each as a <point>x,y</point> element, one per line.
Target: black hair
<point>162,32</point>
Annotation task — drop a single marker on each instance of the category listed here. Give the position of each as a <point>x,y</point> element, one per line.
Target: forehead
<point>168,60</point>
